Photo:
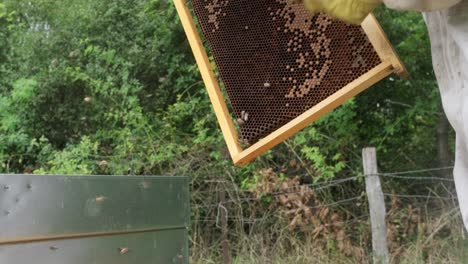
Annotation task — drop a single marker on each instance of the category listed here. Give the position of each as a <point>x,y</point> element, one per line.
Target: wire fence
<point>325,185</point>
<point>316,187</point>
<point>418,171</point>
<point>249,197</point>
<point>424,193</point>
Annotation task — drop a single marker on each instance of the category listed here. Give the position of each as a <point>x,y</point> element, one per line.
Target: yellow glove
<point>351,11</point>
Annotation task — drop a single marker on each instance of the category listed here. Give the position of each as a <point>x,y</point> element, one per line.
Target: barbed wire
<point>338,202</point>
<point>327,184</point>
<point>257,199</point>
<point>315,187</point>
<point>419,196</point>
<point>275,194</point>
<point>344,201</point>
<point>318,184</point>
<point>255,220</point>
<point>421,178</point>
<point>417,171</point>
<point>334,184</point>
<point>331,183</point>
<point>232,219</point>
<point>319,187</point>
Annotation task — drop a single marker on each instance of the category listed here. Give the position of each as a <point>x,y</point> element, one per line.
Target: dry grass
<point>296,224</point>
<point>451,250</point>
<point>448,248</point>
<point>442,241</point>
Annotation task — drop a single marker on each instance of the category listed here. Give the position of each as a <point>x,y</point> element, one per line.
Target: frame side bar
<point>352,89</point>
<point>212,86</point>
<point>382,45</point>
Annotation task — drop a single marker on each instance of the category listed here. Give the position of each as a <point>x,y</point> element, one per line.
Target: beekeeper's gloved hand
<point>351,11</point>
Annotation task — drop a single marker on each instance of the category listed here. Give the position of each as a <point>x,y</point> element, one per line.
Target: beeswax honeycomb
<point>277,60</point>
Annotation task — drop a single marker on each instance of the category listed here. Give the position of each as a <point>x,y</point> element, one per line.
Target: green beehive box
<point>93,219</point>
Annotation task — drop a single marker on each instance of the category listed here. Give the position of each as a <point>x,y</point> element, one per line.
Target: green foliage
<point>114,82</point>
<point>74,159</point>
<point>2,10</point>
<point>110,72</point>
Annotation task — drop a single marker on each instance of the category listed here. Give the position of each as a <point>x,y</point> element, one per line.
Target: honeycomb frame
<point>388,63</point>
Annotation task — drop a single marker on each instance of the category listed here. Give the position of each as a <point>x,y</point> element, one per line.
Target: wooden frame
<point>390,64</point>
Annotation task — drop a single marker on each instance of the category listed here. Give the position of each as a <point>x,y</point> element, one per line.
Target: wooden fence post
<point>224,226</point>
<point>376,207</point>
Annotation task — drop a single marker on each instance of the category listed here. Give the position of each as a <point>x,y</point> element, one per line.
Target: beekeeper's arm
<point>354,11</point>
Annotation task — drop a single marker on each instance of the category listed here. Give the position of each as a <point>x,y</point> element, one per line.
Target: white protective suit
<point>447,22</point>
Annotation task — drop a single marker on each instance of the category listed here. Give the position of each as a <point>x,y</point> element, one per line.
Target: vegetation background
<point>110,87</point>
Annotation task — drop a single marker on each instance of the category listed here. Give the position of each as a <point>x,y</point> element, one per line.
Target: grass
<point>448,247</point>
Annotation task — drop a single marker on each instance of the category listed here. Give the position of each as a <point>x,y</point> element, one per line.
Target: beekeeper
<point>447,23</point>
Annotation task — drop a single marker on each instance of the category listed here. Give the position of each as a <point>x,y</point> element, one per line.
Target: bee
<point>73,54</point>
<point>54,62</point>
<point>244,142</point>
<point>240,121</point>
<point>123,250</point>
<point>246,116</point>
<point>100,199</point>
<point>103,163</point>
<point>243,118</point>
<point>145,185</point>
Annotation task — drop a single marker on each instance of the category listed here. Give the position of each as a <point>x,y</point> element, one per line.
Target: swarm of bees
<point>244,118</point>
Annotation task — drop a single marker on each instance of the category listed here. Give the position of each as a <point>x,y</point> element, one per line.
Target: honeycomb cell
<point>276,60</point>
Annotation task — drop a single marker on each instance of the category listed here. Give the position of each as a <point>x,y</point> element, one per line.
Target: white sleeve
<point>421,5</point>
